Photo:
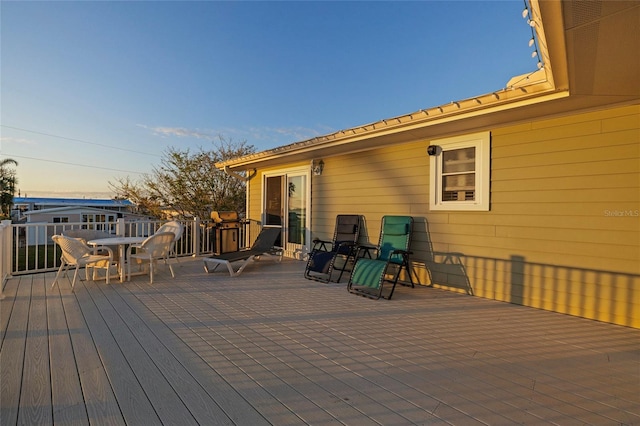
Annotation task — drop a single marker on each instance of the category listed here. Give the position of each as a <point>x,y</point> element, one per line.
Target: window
<point>459,173</point>
<point>62,219</point>
<point>101,222</point>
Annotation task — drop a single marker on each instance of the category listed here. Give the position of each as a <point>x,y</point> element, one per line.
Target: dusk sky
<point>92,91</point>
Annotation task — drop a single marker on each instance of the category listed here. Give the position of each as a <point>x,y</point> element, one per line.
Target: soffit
<point>603,45</point>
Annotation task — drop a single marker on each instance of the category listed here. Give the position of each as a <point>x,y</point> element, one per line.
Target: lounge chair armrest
<point>346,247</point>
<point>347,243</point>
<point>366,249</point>
<point>319,244</point>
<point>403,252</point>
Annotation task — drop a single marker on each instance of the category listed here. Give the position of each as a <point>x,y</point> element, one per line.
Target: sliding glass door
<point>286,205</point>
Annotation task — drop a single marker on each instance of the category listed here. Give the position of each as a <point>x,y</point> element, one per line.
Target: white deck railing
<point>5,247</point>
<point>28,248</point>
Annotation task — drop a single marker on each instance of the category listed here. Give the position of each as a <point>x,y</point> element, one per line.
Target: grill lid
<point>225,216</point>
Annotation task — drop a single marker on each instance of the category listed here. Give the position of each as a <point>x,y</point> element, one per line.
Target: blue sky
<point>92,91</point>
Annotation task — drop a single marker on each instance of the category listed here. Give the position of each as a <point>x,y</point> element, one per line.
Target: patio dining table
<point>121,242</point>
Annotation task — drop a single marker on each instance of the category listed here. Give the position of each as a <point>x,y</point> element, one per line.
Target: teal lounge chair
<point>385,261</point>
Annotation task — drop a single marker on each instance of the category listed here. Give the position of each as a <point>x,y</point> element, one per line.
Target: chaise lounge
<point>264,245</point>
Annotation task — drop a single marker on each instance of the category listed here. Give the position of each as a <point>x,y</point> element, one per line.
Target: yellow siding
<point>563,231</point>
<point>254,205</point>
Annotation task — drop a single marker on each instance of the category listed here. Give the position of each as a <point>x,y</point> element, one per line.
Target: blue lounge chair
<point>323,256</point>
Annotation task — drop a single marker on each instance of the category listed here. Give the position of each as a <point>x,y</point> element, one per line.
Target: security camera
<point>432,150</point>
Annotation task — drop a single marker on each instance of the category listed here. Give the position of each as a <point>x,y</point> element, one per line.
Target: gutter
<point>237,175</point>
<point>533,88</point>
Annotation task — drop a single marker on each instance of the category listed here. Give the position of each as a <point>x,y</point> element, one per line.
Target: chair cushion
<point>368,273</point>
<point>346,228</point>
<point>320,261</point>
<point>396,229</point>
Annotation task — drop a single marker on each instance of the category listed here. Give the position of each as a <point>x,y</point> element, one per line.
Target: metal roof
<point>572,38</point>
<point>88,202</point>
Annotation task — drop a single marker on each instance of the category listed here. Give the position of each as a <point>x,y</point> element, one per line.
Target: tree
<point>188,184</point>
<point>8,182</point>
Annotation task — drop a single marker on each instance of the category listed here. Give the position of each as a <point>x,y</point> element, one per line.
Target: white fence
<point>28,248</point>
<point>5,247</point>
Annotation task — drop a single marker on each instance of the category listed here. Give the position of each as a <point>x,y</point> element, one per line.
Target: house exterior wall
<point>563,230</point>
<point>74,216</point>
<point>254,188</point>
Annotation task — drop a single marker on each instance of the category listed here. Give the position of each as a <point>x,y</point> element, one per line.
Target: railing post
<point>195,232</point>
<point>120,227</point>
<point>6,242</point>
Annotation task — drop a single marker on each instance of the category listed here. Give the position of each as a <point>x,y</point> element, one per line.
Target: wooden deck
<point>270,347</point>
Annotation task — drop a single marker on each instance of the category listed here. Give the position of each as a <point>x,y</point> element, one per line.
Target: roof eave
<point>455,111</point>
<point>536,87</point>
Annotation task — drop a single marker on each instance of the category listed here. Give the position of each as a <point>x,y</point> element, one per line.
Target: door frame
<point>291,250</point>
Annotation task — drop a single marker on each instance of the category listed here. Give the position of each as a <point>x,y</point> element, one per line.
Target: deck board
<point>35,395</point>
<point>219,392</point>
<point>132,401</point>
<point>97,392</point>
<point>183,387</point>
<point>12,353</point>
<point>165,402</point>
<point>9,293</point>
<point>66,393</point>
<point>269,347</point>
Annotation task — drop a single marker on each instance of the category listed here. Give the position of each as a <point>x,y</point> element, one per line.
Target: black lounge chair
<point>264,245</point>
<point>323,256</point>
<point>392,254</point>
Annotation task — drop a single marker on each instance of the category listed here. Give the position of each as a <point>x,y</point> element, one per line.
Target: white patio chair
<point>177,229</point>
<point>154,248</point>
<point>76,253</point>
<point>92,234</point>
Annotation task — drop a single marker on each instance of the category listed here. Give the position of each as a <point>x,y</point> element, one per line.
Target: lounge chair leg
<point>230,268</point>
<point>244,265</point>
<point>206,267</point>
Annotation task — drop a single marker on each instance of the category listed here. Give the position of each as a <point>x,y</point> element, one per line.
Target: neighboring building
<point>76,214</point>
<point>21,205</point>
<point>100,219</point>
<point>529,195</point>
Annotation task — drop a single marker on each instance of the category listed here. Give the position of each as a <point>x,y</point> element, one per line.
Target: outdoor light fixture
<point>317,166</point>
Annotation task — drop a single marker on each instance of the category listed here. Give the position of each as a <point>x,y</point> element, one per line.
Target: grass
<point>37,257</point>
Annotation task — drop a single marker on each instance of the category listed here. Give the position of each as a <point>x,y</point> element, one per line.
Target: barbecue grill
<point>224,231</point>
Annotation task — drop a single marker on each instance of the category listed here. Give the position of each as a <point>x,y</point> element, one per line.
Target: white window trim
<point>482,142</point>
